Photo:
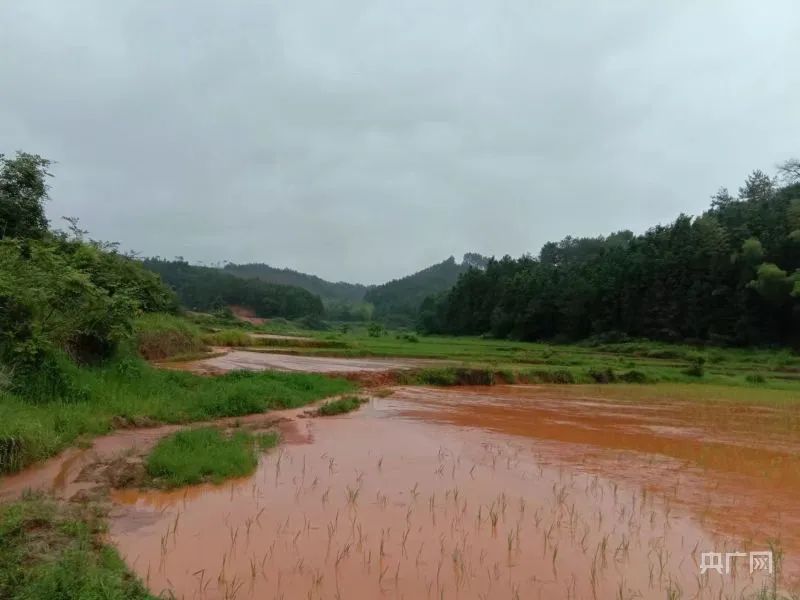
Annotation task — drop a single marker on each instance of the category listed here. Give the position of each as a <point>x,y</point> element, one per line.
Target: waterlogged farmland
<point>488,492</point>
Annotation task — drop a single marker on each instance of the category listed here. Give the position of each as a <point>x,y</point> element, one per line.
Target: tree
<point>789,171</point>
<point>731,275</point>
<point>23,192</point>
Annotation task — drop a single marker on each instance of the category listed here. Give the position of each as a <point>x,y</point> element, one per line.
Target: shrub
<point>755,378</point>
<point>603,375</point>
<point>696,366</point>
<point>633,376</point>
<point>375,329</point>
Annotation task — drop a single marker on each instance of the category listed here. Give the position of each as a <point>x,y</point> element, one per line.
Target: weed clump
<point>340,406</point>
<point>602,375</point>
<point>206,454</point>
<point>634,376</point>
<point>696,366</point>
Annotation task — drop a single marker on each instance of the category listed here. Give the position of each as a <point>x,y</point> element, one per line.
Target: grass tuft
<point>340,406</point>
<point>206,454</point>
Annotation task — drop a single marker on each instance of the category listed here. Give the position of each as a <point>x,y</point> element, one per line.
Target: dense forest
<point>398,301</point>
<point>327,290</point>
<point>729,276</point>
<point>208,288</point>
<point>62,296</point>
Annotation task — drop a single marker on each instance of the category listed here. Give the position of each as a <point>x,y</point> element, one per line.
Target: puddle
<point>501,492</point>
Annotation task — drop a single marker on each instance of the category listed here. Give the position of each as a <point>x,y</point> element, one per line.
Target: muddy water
<point>503,492</point>
<point>260,361</point>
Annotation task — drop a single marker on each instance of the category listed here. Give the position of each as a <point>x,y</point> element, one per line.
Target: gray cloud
<point>361,140</point>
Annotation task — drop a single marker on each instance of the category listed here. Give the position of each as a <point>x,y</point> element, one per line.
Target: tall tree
<point>23,192</point>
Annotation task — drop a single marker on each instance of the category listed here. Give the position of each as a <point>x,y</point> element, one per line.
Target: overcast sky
<point>361,140</point>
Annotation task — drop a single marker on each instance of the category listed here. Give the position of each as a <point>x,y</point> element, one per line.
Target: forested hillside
<point>208,288</point>
<point>399,300</point>
<point>327,290</point>
<point>730,276</point>
<point>61,297</point>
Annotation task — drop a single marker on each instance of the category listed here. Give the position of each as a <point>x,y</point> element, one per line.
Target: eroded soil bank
<point>501,492</point>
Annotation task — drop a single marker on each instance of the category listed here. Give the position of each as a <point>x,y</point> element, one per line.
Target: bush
<point>375,329</point>
<point>755,378</point>
<point>602,375</point>
<point>696,366</point>
<point>633,376</point>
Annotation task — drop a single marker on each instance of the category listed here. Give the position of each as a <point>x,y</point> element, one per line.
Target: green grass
<point>158,336</point>
<point>632,362</point>
<point>131,391</point>
<point>206,454</point>
<point>229,337</point>
<point>340,406</point>
<point>56,551</point>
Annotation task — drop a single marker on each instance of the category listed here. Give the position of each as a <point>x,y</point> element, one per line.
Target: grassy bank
<point>54,550</point>
<point>588,362</point>
<point>158,336</point>
<point>206,454</point>
<point>130,392</point>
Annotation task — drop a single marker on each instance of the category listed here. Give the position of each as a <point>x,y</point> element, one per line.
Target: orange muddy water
<point>501,492</point>
<point>234,360</point>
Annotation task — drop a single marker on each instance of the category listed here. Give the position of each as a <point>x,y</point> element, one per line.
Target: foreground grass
<point>206,454</point>
<point>340,406</point>
<point>131,392</point>
<point>55,551</point>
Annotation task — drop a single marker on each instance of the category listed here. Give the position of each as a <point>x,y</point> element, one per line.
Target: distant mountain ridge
<point>398,299</point>
<point>327,290</point>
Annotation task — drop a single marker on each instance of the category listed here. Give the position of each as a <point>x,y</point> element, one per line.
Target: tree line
<point>730,276</point>
<point>209,288</point>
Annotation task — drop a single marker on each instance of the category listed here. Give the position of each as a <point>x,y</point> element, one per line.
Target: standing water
<point>502,492</point>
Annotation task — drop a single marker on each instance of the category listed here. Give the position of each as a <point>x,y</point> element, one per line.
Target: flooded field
<point>234,360</point>
<point>501,492</point>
